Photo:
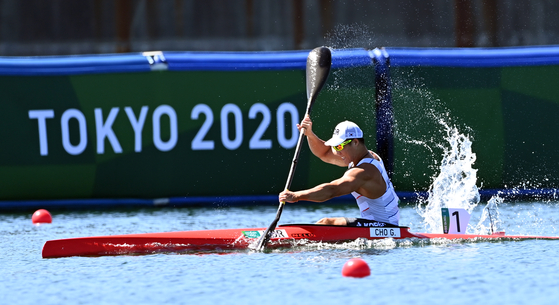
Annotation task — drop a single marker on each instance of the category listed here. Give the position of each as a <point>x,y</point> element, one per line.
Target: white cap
<point>343,131</point>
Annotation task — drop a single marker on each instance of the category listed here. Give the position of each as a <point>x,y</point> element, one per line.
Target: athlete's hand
<point>306,123</point>
<point>287,196</point>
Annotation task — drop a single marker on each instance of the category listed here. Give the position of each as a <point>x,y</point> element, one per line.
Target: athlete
<point>366,178</point>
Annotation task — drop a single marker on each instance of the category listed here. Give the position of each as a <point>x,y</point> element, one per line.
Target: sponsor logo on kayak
<point>257,234</point>
<point>370,224</point>
<point>385,232</point>
<point>252,234</point>
<point>302,235</point>
<point>278,234</point>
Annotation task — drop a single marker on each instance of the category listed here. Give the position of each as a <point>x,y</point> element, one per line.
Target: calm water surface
<point>403,272</point>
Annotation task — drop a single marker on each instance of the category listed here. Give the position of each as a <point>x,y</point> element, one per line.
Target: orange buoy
<point>356,267</point>
<point>41,216</point>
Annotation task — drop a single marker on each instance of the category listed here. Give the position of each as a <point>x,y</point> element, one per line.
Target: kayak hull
<point>224,239</point>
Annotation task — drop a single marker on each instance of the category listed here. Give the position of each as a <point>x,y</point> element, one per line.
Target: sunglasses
<point>341,146</point>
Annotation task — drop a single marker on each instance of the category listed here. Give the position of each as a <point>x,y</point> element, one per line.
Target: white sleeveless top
<point>385,208</point>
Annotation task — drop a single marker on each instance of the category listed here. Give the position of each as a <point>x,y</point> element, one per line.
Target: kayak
<point>287,235</point>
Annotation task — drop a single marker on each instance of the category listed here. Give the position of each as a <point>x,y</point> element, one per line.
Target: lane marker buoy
<point>356,267</point>
<point>41,216</point>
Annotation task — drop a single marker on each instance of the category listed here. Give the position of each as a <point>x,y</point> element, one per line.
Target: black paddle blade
<point>319,62</point>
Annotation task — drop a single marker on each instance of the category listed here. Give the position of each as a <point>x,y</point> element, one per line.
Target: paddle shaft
<point>268,233</point>
<point>318,68</point>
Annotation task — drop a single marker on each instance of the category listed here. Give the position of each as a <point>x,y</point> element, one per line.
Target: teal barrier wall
<point>168,125</point>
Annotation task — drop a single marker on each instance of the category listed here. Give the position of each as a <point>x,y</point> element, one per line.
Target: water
<point>431,272</point>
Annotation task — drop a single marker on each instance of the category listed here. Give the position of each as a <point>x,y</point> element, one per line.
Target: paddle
<point>318,67</point>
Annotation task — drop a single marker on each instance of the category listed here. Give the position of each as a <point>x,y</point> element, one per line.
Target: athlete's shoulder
<point>366,170</point>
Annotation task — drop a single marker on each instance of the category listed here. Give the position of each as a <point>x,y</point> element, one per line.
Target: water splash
<point>355,35</point>
<point>426,127</point>
<point>417,129</point>
<point>455,186</point>
<point>490,220</point>
<point>349,84</point>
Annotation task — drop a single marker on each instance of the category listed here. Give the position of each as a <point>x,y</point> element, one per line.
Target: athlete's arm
<point>352,180</point>
<point>316,144</point>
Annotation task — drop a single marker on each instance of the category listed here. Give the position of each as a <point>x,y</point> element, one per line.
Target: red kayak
<point>204,240</point>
